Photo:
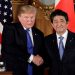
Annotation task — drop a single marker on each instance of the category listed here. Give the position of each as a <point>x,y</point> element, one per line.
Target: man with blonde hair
<point>23,44</point>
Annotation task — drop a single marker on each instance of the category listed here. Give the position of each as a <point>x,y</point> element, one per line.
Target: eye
<point>55,22</point>
<point>26,17</point>
<point>32,17</point>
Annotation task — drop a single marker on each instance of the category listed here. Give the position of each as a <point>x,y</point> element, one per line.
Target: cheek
<point>33,22</point>
<point>65,26</point>
<point>22,20</point>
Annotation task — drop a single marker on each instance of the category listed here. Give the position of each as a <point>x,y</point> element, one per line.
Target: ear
<point>67,23</point>
<point>19,17</point>
<point>52,24</point>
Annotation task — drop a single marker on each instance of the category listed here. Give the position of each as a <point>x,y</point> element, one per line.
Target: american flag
<point>5,15</point>
<point>6,11</point>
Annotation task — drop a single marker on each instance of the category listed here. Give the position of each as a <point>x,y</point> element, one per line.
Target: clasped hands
<point>37,60</point>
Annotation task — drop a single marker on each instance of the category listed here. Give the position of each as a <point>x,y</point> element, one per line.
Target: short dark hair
<point>58,12</point>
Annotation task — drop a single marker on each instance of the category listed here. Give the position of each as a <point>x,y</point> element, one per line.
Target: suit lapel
<point>69,41</point>
<point>22,34</point>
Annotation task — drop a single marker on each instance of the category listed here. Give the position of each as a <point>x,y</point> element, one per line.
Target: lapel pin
<point>71,39</point>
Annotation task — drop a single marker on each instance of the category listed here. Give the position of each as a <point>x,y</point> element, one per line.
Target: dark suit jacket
<point>66,66</point>
<point>14,49</point>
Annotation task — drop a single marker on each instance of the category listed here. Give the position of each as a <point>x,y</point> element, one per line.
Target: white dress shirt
<point>64,39</point>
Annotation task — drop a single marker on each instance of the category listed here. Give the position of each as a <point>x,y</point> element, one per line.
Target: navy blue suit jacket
<point>66,66</point>
<point>14,49</point>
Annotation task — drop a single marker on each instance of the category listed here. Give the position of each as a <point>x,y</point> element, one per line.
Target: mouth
<point>59,27</point>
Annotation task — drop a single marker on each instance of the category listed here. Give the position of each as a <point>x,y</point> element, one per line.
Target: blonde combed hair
<point>26,9</point>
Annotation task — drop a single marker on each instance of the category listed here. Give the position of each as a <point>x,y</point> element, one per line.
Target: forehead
<point>58,17</point>
<point>27,14</point>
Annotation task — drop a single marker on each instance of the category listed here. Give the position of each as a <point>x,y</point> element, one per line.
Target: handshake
<point>37,60</point>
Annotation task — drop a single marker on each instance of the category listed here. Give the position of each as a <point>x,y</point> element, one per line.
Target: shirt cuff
<point>30,58</point>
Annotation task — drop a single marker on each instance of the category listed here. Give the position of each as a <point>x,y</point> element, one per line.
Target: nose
<point>29,20</point>
<point>59,24</point>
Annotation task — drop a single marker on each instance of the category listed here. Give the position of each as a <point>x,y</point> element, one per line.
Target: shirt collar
<point>64,35</point>
<point>29,29</point>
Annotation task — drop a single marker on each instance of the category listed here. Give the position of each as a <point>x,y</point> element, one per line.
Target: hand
<point>37,60</point>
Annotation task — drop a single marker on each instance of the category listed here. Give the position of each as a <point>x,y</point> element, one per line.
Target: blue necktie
<point>61,47</point>
<point>30,50</point>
